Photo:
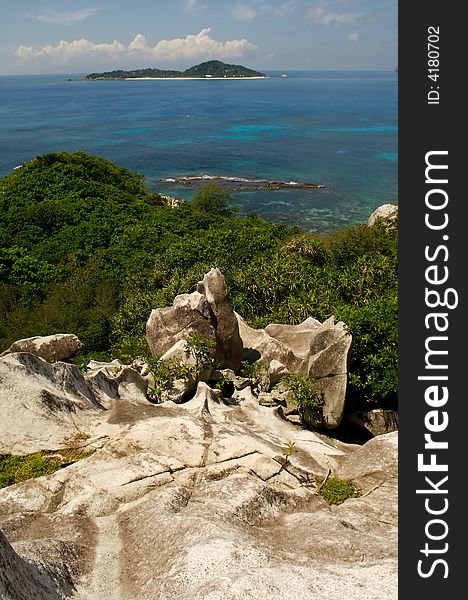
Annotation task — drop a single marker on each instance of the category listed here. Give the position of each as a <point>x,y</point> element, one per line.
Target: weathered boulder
<point>328,365</point>
<point>377,421</point>
<point>189,313</point>
<point>52,348</point>
<point>329,349</point>
<point>260,346</point>
<point>295,337</point>
<point>386,212</point>
<point>200,500</point>
<point>42,403</point>
<point>311,349</point>
<point>207,312</point>
<point>228,341</point>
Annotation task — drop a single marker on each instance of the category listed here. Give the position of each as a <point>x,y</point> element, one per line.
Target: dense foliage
<point>213,198</point>
<point>212,68</point>
<point>85,248</point>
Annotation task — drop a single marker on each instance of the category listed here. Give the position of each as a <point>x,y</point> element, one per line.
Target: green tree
<point>213,198</point>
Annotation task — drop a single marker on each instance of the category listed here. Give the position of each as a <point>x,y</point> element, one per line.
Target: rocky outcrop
<point>207,312</point>
<point>312,349</point>
<point>228,341</point>
<point>52,348</point>
<point>24,580</point>
<point>203,500</point>
<point>377,421</point>
<point>189,313</point>
<point>240,184</point>
<point>386,212</point>
<point>43,404</point>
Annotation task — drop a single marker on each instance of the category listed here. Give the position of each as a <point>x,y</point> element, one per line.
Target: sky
<point>82,36</point>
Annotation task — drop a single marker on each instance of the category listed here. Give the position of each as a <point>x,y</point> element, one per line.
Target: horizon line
<point>285,69</point>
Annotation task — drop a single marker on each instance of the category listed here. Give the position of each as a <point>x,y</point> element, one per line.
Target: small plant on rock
<point>289,450</point>
<point>253,370</point>
<point>305,395</point>
<point>201,349</point>
<point>164,373</point>
<point>336,491</point>
<point>222,382</point>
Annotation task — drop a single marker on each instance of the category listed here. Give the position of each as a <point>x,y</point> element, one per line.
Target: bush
<point>214,199</point>
<point>336,491</point>
<point>201,349</point>
<point>164,373</point>
<point>304,393</point>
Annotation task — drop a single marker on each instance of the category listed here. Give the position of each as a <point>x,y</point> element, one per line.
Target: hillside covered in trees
<point>210,68</point>
<point>86,248</point>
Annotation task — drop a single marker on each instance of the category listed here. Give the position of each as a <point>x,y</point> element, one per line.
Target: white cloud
<point>320,15</point>
<point>280,11</point>
<point>56,17</point>
<point>194,6</point>
<point>354,37</point>
<point>200,46</point>
<point>243,12</point>
<point>69,51</point>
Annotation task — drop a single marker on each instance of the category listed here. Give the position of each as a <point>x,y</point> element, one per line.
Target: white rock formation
<point>199,500</point>
<point>52,348</point>
<point>207,312</point>
<point>43,404</point>
<point>312,349</point>
<point>386,212</point>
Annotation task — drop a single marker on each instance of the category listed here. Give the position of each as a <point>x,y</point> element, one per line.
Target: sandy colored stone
<point>386,212</point>
<point>52,348</point>
<point>199,500</point>
<point>228,341</point>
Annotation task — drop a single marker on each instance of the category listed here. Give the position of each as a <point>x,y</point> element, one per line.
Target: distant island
<point>210,69</point>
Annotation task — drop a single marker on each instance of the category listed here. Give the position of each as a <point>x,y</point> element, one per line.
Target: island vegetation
<point>86,248</point>
<point>211,68</point>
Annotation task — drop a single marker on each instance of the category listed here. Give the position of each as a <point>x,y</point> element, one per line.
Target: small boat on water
<point>283,75</point>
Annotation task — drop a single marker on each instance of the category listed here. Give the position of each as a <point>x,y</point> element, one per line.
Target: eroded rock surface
<point>43,404</point>
<point>312,349</point>
<point>199,500</point>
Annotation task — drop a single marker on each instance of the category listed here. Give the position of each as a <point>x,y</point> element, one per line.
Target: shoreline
<point>173,78</point>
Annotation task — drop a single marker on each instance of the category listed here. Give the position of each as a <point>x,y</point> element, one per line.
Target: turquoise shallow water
<point>334,128</point>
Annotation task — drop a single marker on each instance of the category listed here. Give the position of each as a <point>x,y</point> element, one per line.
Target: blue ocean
<point>337,129</point>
